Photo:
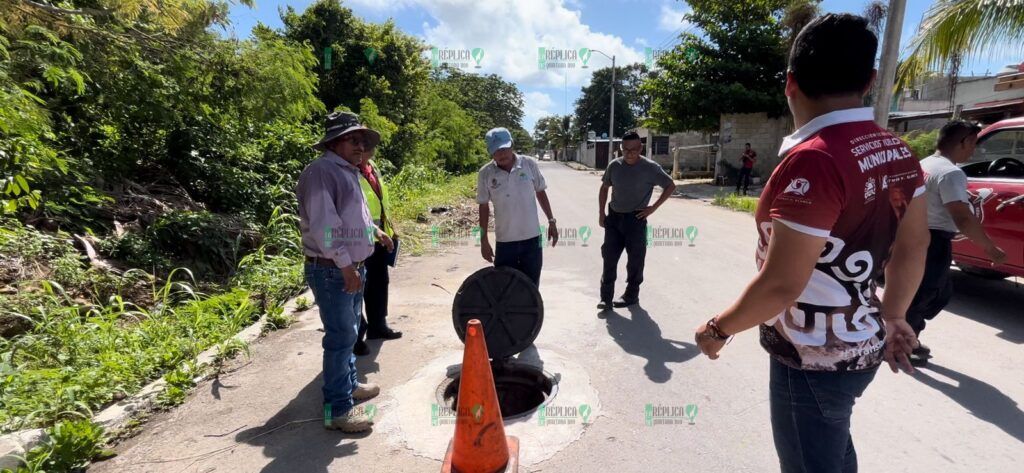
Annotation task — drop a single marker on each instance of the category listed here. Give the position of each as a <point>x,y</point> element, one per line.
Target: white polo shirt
<point>514,195</point>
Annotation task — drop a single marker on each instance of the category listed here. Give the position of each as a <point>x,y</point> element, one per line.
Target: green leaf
<point>22,182</point>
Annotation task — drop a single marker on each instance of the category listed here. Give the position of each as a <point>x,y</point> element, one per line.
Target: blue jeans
<point>811,417</point>
<point>525,255</point>
<point>340,313</point>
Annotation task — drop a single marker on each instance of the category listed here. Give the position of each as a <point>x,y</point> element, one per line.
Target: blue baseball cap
<point>497,138</point>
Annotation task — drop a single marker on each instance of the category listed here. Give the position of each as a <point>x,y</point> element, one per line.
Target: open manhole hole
<point>521,389</point>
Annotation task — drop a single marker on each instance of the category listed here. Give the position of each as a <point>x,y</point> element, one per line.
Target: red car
<point>995,176</point>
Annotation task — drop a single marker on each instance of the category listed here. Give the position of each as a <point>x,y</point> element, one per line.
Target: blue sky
<point>510,33</point>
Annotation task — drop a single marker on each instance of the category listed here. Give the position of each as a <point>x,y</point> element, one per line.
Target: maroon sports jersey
<point>843,178</point>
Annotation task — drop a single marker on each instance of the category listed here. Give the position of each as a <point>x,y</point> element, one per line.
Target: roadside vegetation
<point>147,165</point>
<point>741,203</point>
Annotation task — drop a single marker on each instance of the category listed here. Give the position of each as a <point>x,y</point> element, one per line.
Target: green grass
<point>737,202</point>
<point>413,199</point>
<point>79,357</point>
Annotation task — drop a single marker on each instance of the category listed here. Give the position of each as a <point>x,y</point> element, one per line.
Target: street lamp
<point>611,115</point>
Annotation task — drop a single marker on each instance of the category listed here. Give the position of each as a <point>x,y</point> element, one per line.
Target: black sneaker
<point>386,335</point>
<point>604,305</point>
<point>920,355</point>
<point>623,302</point>
<point>361,349</point>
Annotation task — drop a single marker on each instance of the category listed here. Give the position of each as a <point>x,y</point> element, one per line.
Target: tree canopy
<point>737,65</point>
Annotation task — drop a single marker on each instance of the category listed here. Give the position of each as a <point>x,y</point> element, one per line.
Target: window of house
<point>659,145</point>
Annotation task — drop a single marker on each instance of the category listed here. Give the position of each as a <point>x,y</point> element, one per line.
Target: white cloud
<point>510,34</point>
<point>672,16</point>
<point>536,106</point>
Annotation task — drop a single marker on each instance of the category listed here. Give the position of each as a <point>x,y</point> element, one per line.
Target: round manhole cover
<point>508,305</point>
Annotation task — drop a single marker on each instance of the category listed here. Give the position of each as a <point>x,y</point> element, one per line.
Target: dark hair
<point>955,132</point>
<point>631,135</point>
<point>833,55</point>
<point>748,144</point>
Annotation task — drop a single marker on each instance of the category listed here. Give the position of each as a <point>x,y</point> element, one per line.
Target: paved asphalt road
<point>962,414</point>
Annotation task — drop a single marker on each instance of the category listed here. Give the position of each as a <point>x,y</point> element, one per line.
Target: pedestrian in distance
<point>747,162</point>
<point>844,205</point>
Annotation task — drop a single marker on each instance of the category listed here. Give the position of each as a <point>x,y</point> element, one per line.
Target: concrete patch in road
<point>408,419</point>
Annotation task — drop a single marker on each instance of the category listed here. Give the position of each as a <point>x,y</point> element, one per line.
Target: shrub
<point>922,143</point>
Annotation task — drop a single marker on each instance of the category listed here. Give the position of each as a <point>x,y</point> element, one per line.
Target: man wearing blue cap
<point>514,184</point>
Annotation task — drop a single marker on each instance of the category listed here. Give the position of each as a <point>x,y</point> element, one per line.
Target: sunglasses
<point>356,141</point>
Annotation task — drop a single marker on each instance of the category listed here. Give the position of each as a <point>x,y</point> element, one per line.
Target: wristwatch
<point>552,221</point>
<point>714,331</point>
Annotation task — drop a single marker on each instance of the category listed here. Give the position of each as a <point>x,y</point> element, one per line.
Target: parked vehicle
<point>995,176</point>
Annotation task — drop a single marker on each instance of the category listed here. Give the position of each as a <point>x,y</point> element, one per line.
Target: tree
<point>493,102</point>
<point>449,136</point>
<point>738,66</point>
<point>631,103</point>
<point>489,99</point>
<point>953,29</point>
<point>378,61</point>
<point>553,132</point>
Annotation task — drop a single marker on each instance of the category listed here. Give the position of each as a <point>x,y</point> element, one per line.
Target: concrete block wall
<point>764,135</point>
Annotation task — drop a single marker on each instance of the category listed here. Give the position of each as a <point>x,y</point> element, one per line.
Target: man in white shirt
<point>514,184</point>
<point>949,213</point>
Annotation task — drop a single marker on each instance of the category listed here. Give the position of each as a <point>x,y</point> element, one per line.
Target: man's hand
<point>600,219</point>
<point>708,344</point>
<point>385,240</point>
<point>353,283</point>
<point>486,251</point>
<point>900,341</point>
<point>996,254</point>
<point>553,234</point>
<point>646,212</point>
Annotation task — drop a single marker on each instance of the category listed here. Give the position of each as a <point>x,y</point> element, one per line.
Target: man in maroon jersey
<point>843,207</point>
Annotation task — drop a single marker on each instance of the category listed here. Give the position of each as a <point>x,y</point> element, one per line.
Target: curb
<point>15,445</point>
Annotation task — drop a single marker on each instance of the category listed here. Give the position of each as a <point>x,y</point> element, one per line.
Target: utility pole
<point>890,55</point>
<point>611,121</point>
<point>611,114</point>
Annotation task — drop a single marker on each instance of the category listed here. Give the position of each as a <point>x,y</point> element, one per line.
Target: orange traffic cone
<point>480,444</point>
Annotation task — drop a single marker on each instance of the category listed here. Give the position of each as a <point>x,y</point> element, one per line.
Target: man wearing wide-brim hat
<point>337,236</point>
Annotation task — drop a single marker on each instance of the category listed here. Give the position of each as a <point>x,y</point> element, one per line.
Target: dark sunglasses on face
<point>356,141</point>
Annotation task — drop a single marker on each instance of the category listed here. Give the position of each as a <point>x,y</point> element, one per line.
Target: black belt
<point>329,263</point>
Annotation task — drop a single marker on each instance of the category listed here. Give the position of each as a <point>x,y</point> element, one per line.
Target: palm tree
<point>954,29</point>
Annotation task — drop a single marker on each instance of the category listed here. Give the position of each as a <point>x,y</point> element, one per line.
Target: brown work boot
<point>356,420</point>
<point>365,391</point>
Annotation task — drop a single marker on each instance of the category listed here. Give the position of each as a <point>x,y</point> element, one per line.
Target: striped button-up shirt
<point>333,217</point>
